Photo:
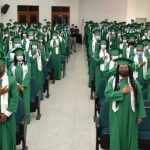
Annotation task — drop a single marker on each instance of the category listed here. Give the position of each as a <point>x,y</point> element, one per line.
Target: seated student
<point>8,106</point>
<point>126,107</point>
<point>22,73</point>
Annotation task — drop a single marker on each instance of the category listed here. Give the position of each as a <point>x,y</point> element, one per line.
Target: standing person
<point>126,107</point>
<point>9,102</point>
<point>22,73</point>
<point>73,37</point>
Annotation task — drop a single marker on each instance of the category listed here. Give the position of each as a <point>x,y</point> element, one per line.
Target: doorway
<point>28,14</point>
<point>60,14</point>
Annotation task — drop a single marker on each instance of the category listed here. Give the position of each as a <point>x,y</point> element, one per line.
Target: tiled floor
<point>67,116</point>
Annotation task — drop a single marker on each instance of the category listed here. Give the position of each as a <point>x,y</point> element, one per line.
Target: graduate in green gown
<point>55,56</point>
<point>9,97</point>
<point>126,108</point>
<point>36,58</point>
<point>141,68</point>
<point>111,67</point>
<point>123,46</point>
<point>22,73</point>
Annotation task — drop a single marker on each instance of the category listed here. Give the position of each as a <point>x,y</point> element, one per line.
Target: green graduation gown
<point>22,74</point>
<point>123,126</point>
<point>35,72</point>
<point>8,128</point>
<point>56,59</point>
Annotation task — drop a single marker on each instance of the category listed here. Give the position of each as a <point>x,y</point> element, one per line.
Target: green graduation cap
<point>139,46</point>
<point>115,51</point>
<point>30,32</point>
<point>55,33</point>
<point>18,51</point>
<point>34,42</point>
<point>132,37</point>
<point>103,41</point>
<point>16,39</point>
<point>2,61</point>
<point>146,42</point>
<point>124,61</point>
<point>97,32</point>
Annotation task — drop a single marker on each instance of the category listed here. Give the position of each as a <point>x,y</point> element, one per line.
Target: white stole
<point>57,48</point>
<point>4,97</point>
<point>93,45</point>
<point>102,54</point>
<point>136,60</point>
<point>115,108</point>
<point>24,69</point>
<point>39,60</point>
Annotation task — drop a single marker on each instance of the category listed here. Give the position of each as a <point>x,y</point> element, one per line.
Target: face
<point>123,67</point>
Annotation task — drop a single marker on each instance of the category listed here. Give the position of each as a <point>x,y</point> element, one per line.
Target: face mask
<point>54,37</point>
<point>34,46</point>
<point>146,34</point>
<point>24,35</point>
<point>6,35</point>
<point>123,73</point>
<point>20,58</point>
<point>103,46</point>
<point>139,53</point>
<point>41,41</point>
<point>97,37</point>
<point>17,45</point>
<point>124,41</point>
<point>115,57</point>
<point>31,37</point>
<point>119,34</point>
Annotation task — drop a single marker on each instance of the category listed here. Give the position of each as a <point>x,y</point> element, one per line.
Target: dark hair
<point>16,61</point>
<point>132,81</point>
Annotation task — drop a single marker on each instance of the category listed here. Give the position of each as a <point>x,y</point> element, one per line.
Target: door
<point>28,14</point>
<point>60,14</point>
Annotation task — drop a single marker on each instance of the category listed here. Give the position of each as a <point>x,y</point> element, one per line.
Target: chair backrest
<point>145,94</point>
<point>34,89</point>
<point>20,114</point>
<point>104,114</point>
<point>145,125</point>
<point>101,89</point>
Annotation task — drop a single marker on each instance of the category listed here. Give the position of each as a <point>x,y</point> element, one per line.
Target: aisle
<point>67,117</point>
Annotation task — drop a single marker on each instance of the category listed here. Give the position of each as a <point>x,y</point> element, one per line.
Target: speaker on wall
<point>4,9</point>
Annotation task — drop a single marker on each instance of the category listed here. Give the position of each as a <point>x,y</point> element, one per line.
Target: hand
<point>35,56</point>
<point>105,57</point>
<point>20,87</point>
<point>3,118</point>
<point>55,46</point>
<point>127,90</point>
<point>139,120</point>
<point>4,90</point>
<point>142,64</point>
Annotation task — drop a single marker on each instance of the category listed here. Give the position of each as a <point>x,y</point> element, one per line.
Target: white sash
<point>57,48</point>
<point>136,60</point>
<point>24,69</point>
<point>116,108</point>
<point>39,60</point>
<point>4,98</point>
<point>93,45</point>
<point>102,54</point>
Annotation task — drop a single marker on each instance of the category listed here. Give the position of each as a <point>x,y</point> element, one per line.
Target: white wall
<point>98,10</point>
<point>45,9</point>
<point>138,9</point>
